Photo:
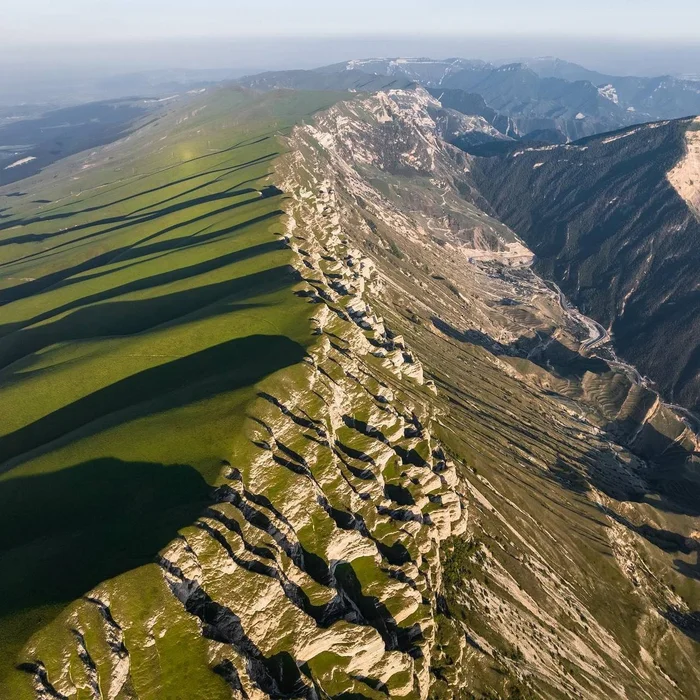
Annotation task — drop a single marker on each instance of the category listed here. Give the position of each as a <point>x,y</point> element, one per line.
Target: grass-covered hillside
<point>145,289</point>
<point>287,414</point>
<point>212,485</point>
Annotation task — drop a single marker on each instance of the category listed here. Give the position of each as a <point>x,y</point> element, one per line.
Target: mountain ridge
<point>568,90</point>
<point>414,483</point>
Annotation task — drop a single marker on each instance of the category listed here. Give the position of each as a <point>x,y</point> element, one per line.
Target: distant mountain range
<point>544,98</point>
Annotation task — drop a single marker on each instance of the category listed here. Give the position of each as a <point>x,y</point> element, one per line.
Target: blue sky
<point>59,21</point>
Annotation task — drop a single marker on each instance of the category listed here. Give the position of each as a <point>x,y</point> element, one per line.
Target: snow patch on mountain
<point>609,93</point>
<point>22,161</point>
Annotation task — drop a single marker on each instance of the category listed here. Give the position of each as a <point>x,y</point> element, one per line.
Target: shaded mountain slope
<point>611,227</point>
<point>575,109</point>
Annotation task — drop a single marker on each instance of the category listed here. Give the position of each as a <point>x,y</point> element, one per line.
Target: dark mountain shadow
<point>293,591</point>
<point>143,283</point>
<point>131,181</point>
<point>588,215</point>
<point>216,370</point>
<point>270,191</point>
<point>121,318</point>
<point>64,532</point>
<point>688,570</point>
<point>671,474</point>
<point>56,214</point>
<point>141,249</point>
<point>669,483</point>
<point>568,477</point>
<point>228,672</point>
<point>136,216</point>
<point>306,560</point>
<point>229,190</point>
<point>122,222</point>
<point>303,421</point>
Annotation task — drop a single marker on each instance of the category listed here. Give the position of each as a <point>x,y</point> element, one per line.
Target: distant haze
<point>58,72</point>
<point>39,21</point>
<point>633,57</point>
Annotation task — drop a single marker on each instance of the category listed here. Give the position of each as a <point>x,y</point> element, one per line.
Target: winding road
<point>597,336</point>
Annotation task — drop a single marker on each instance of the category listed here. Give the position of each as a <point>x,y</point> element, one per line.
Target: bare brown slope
<point>578,576</point>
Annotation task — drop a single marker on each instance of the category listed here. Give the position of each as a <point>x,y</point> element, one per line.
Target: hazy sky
<point>69,21</point>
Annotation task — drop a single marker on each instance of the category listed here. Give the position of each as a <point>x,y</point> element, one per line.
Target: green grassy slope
<point>145,289</point>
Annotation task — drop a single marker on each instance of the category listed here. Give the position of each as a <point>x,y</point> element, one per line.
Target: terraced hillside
<point>291,416</point>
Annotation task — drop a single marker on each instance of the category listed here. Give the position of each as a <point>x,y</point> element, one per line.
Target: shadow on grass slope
<point>225,367</point>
